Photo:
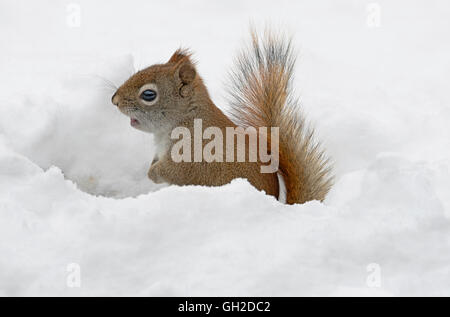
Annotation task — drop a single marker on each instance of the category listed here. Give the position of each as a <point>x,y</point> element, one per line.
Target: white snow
<point>73,183</point>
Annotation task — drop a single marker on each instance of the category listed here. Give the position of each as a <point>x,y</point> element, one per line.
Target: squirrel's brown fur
<point>262,97</point>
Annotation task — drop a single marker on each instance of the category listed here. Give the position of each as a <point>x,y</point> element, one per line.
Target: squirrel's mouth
<point>134,122</point>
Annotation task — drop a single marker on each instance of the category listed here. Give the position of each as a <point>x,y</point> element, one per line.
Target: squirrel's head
<point>160,96</point>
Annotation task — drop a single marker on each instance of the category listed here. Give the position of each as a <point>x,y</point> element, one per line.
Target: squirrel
<point>165,96</point>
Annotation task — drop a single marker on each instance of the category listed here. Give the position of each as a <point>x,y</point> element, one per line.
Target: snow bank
<point>73,186</point>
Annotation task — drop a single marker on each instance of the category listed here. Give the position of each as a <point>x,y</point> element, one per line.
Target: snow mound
<point>231,240</point>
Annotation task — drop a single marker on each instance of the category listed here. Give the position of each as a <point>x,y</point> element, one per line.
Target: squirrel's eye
<point>148,95</point>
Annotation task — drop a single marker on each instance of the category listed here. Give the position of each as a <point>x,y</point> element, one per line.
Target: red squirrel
<point>165,98</point>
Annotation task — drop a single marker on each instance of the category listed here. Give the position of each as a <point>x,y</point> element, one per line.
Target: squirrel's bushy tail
<point>261,95</point>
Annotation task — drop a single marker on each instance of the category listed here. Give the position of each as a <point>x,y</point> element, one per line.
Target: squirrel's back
<point>261,95</point>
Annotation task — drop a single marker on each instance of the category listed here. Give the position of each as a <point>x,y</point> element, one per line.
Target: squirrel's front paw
<point>154,175</point>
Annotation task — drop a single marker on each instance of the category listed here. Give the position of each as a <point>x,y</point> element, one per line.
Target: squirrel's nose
<point>115,99</point>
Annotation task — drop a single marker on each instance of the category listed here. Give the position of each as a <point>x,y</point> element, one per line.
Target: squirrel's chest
<point>162,146</point>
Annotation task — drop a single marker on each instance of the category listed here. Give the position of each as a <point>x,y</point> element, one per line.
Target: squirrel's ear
<point>179,55</point>
<point>186,73</point>
<point>184,68</point>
